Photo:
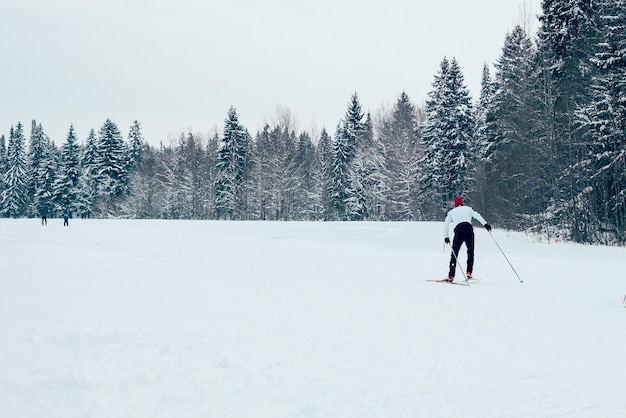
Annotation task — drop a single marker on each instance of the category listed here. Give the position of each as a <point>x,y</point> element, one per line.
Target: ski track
<point>250,319</point>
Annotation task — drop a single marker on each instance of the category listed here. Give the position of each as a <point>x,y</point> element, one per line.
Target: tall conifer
<point>345,190</point>
<point>14,202</point>
<point>232,169</point>
<point>447,136</point>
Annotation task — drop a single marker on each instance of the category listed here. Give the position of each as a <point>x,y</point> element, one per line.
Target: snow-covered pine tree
<point>433,129</point>
<point>15,195</point>
<point>34,157</point>
<point>371,172</point>
<point>45,177</point>
<point>462,141</point>
<point>399,133</point>
<point>447,135</point>
<point>605,118</point>
<point>88,179</point>
<point>66,185</point>
<point>484,136</point>
<point>3,162</point>
<point>345,192</point>
<point>90,151</point>
<point>567,39</point>
<point>568,33</point>
<point>135,144</point>
<point>111,164</point>
<point>84,204</point>
<point>515,151</point>
<point>232,169</point>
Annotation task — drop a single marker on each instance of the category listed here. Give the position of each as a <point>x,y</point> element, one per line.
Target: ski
<point>445,281</point>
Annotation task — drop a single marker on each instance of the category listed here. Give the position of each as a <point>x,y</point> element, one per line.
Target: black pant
<point>463,233</point>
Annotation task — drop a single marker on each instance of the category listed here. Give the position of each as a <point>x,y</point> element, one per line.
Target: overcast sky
<point>178,66</point>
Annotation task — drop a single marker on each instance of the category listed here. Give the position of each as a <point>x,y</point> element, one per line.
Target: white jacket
<point>459,215</point>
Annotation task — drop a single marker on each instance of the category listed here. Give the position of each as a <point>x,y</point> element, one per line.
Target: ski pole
<point>507,258</point>
<point>460,266</point>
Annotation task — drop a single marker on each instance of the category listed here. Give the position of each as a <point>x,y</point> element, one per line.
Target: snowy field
<point>149,319</point>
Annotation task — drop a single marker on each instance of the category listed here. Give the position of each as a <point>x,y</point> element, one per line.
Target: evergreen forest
<point>542,149</point>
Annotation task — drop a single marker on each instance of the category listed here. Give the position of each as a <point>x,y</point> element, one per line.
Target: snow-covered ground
<point>118,318</point>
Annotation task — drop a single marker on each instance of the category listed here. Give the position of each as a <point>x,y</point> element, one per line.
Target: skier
<point>461,217</point>
<point>66,218</point>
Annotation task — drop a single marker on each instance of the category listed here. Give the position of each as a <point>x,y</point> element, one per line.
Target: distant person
<point>461,218</point>
<point>66,219</point>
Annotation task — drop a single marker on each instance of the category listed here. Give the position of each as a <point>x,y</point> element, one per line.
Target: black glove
<point>446,240</point>
<point>488,227</point>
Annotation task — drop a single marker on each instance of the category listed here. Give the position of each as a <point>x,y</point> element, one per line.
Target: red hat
<point>458,201</point>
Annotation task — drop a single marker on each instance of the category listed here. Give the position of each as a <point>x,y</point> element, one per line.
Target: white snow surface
<point>128,318</point>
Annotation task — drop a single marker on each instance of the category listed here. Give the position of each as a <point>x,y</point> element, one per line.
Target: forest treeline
<point>541,149</point>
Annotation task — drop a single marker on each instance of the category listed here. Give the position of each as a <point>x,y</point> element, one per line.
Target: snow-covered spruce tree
<point>88,178</point>
<point>399,133</point>
<point>605,119</point>
<point>370,171</point>
<point>45,177</point>
<point>111,168</point>
<point>90,151</point>
<point>135,145</point>
<point>134,149</point>
<point>15,195</point>
<point>34,158</point>
<point>42,163</point>
<point>345,192</point>
<point>339,185</point>
<point>484,136</point>
<point>446,168</point>
<point>433,129</point>
<point>3,162</point>
<point>516,194</point>
<point>84,204</point>
<point>232,169</point>
<point>567,39</point>
<point>66,185</point>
